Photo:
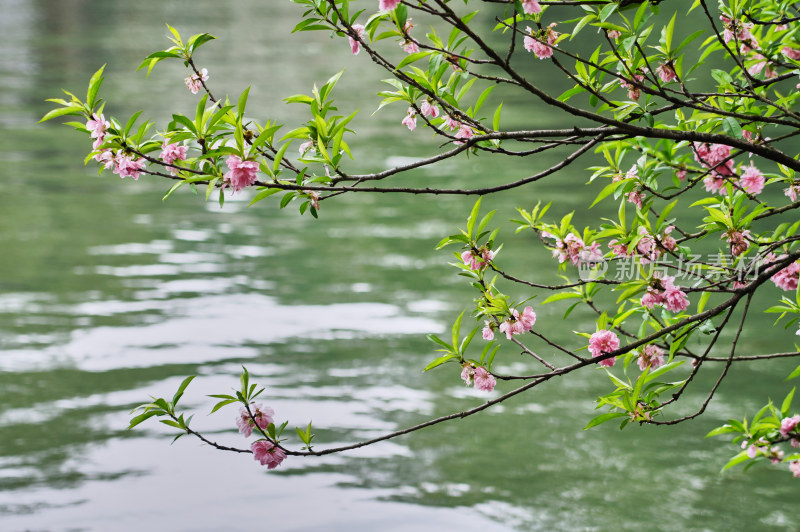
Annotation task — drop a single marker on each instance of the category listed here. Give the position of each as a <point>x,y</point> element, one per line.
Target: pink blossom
<point>410,121</point>
<point>488,332</point>
<point>551,34</point>
<point>787,278</point>
<point>512,325</point>
<point>716,157</point>
<point>313,197</point>
<point>262,415</point>
<point>429,109</point>
<point>484,381</point>
<point>194,82</point>
<point>738,241</point>
<point>603,342</point>
<point>126,166</point>
<point>764,65</point>
<point>666,72</point>
<point>106,158</point>
<point>636,198</point>
<point>528,318</point>
<point>650,357</point>
<point>791,53</point>
<point>241,174</point>
<point>752,451</point>
<point>479,261</point>
<point>464,132</point>
<point>171,153</point>
<point>467,372</point>
<point>795,442</point>
<point>304,147</point>
<point>788,425</point>
<point>675,300</point>
<point>571,247</point>
<point>267,453</point>
<point>752,180</point>
<point>651,298</point>
<point>387,5</point>
<point>410,47</point>
<point>775,455</point>
<point>647,245</point>
<point>619,250</point>
<point>681,174</point>
<point>634,93</point>
<point>97,126</point>
<point>591,253</point>
<point>355,44</point>
<point>451,122</point>
<point>792,191</point>
<point>740,30</point>
<point>613,34</point>
<point>530,7</point>
<point>667,241</point>
<point>794,467</point>
<point>539,49</point>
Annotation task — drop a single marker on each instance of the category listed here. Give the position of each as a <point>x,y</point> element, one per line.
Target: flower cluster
<point>409,45</point>
<point>634,93</point>
<point>662,291</point>
<point>514,324</point>
<point>572,247</point>
<point>355,44</point>
<point>241,174</point>
<point>787,278</point>
<point>477,260</point>
<point>541,45</point>
<point>603,342</point>
<point>171,153</point>
<point>651,356</point>
<point>263,418</point>
<point>529,7</point>
<point>410,121</point>
<point>482,379</point>
<point>789,428</point>
<point>267,453</point>
<point>195,82</point>
<point>387,5</point>
<point>717,158</point>
<point>738,240</point>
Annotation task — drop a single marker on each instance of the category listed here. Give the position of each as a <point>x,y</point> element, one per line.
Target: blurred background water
<point>108,295</point>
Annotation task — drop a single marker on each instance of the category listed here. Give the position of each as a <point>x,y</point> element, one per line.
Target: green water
<point>108,295</point>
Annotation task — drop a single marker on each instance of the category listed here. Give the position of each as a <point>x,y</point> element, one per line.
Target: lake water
<point>108,295</point>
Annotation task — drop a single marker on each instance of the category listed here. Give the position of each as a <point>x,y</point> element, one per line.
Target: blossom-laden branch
<point>664,134</point>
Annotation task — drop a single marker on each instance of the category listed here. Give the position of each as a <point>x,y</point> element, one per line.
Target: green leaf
<point>787,404</point>
<point>71,110</point>
<point>664,369</point>
<point>240,106</point>
<point>473,216</point>
<point>222,403</point>
<point>583,22</point>
<point>738,459</point>
<point>264,194</point>
<point>794,374</point>
<point>724,429</point>
<point>562,296</point>
<point>94,86</point>
<point>410,58</point>
<point>603,418</point>
<point>439,361</point>
<point>181,389</point>
<point>142,417</point>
